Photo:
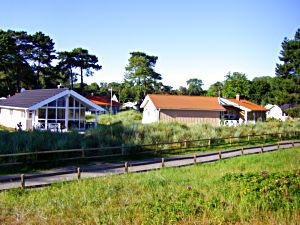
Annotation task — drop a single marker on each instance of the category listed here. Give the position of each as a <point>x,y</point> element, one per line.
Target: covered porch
<point>238,112</point>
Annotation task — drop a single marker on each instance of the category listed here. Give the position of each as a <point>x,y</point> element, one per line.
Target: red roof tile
<point>186,102</point>
<point>248,105</point>
<point>102,100</point>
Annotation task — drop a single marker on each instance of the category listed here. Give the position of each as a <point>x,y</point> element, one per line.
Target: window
<point>0,110</point>
<point>71,114</point>
<point>71,102</point>
<point>52,104</point>
<point>42,113</point>
<point>51,113</point>
<point>61,102</point>
<point>82,114</point>
<point>60,114</point>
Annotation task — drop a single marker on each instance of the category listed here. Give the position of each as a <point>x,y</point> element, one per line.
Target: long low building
<point>200,109</point>
<point>47,109</point>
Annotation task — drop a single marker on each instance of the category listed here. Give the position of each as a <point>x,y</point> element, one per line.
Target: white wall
<point>11,120</point>
<point>150,113</point>
<point>276,112</point>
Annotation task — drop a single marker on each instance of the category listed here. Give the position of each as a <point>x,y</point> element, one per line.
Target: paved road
<point>96,170</point>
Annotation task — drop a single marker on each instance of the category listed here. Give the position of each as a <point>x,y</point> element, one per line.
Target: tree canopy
<point>290,56</point>
<point>215,89</point>
<point>236,83</point>
<point>194,86</point>
<point>140,74</point>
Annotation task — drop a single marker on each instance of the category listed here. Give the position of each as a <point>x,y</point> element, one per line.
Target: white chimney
<point>237,97</point>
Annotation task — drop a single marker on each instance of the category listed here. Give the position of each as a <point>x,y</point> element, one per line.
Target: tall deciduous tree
<point>65,66</point>
<point>215,89</point>
<point>14,68</point>
<point>140,73</point>
<point>194,86</point>
<point>260,90</point>
<point>85,62</point>
<point>236,83</point>
<point>290,56</point>
<point>42,54</point>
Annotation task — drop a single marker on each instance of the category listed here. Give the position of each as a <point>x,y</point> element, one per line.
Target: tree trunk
<point>71,79</point>
<point>81,81</point>
<point>18,79</point>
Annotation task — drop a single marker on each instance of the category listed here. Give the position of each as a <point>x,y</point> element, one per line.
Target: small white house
<point>47,109</point>
<point>276,112</point>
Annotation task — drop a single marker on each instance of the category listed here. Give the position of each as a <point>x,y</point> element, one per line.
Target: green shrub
<point>294,112</point>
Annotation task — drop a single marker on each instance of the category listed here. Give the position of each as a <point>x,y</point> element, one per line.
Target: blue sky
<point>192,38</point>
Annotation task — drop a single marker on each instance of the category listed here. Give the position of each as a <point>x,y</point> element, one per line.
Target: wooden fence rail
<point>194,159</point>
<point>154,148</point>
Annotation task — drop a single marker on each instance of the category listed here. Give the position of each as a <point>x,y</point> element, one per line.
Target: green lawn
<point>255,189</point>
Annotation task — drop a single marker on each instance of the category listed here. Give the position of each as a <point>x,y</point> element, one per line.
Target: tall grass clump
<point>126,128</point>
<point>23,141</point>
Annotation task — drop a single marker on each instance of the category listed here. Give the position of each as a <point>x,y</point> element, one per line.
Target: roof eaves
<point>198,109</point>
<point>12,107</point>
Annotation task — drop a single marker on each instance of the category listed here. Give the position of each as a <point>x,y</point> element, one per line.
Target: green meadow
<point>254,189</point>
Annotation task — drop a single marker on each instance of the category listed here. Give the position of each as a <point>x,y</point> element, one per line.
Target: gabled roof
<point>102,100</point>
<point>199,103</point>
<point>29,98</point>
<point>34,99</point>
<point>249,105</point>
<point>184,102</point>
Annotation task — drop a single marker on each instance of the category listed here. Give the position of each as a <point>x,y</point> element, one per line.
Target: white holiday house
<point>47,109</point>
<point>276,112</point>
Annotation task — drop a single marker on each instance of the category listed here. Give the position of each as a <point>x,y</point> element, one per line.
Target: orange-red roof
<point>102,100</point>
<point>248,105</point>
<point>197,103</point>
<point>186,102</point>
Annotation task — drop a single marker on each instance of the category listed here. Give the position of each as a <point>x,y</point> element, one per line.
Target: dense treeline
<point>30,61</point>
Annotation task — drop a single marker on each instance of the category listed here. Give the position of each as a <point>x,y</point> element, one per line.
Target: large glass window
<point>71,102</point>
<point>51,113</point>
<point>82,114</point>
<point>76,114</point>
<point>61,102</point>
<point>60,114</point>
<point>54,113</point>
<point>52,104</point>
<point>42,113</point>
<point>71,113</point>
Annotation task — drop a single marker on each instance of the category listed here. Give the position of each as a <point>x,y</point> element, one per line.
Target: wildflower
<point>188,187</point>
<point>287,182</point>
<point>277,181</point>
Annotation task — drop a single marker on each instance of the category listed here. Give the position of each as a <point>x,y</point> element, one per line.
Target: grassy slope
<point>162,197</point>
